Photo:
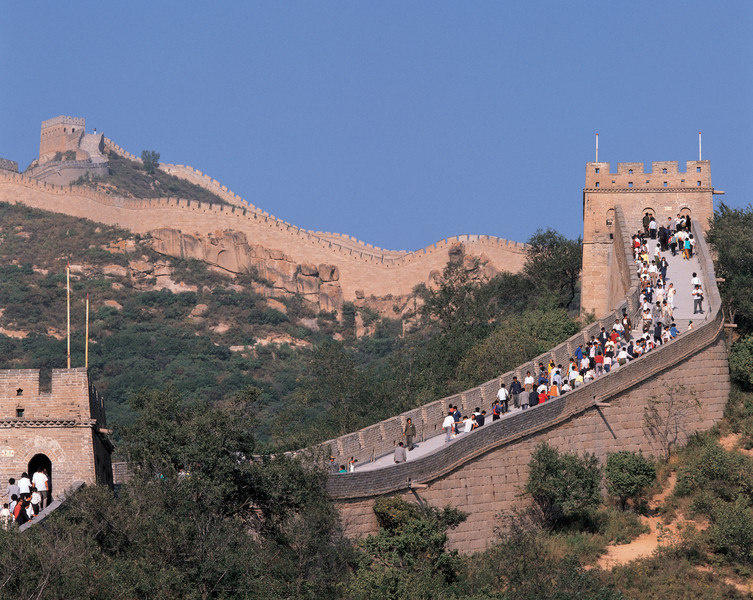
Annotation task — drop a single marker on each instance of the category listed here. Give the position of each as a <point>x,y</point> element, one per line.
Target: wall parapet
<point>384,436</point>
<point>258,218</point>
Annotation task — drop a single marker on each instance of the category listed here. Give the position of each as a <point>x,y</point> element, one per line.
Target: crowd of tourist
<point>611,349</point>
<point>27,497</point>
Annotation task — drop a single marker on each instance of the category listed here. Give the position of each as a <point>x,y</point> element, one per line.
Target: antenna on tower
<point>699,146</point>
<point>597,147</point>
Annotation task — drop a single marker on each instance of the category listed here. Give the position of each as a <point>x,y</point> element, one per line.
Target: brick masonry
<point>483,473</point>
<point>663,192</point>
<point>63,420</point>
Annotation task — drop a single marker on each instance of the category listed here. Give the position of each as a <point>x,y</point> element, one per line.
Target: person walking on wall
<point>697,294</point>
<point>410,433</point>
<point>448,425</point>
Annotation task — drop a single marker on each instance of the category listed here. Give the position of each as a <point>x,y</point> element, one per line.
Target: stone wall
<point>65,172</point>
<point>483,473</point>
<point>366,270</point>
<point>63,419</point>
<point>664,192</point>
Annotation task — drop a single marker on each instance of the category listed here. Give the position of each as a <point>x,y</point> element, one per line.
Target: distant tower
<point>61,134</point>
<point>664,192</point>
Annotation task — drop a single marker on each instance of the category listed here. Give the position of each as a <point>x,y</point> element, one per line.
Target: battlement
<point>64,120</point>
<point>663,175</point>
<point>66,395</point>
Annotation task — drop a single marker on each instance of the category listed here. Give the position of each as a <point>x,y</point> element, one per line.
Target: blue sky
<point>397,122</point>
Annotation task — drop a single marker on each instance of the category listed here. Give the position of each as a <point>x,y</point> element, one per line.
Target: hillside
<point>157,321</point>
<point>128,178</point>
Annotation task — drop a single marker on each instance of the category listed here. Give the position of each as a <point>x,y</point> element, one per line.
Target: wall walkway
<point>482,472</point>
<point>363,268</point>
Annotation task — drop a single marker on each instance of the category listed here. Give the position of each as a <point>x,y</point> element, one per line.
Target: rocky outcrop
<point>230,251</point>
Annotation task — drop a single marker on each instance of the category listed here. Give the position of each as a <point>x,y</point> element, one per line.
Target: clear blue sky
<point>397,122</point>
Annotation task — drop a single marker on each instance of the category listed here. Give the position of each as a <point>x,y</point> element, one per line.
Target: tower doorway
<point>41,461</point>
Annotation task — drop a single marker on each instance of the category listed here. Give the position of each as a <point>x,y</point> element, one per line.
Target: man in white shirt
<point>40,482</point>
<point>528,381</point>
<point>448,424</point>
<point>24,485</point>
<point>504,398</point>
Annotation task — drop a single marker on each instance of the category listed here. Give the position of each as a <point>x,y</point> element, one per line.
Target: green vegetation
<point>136,180</point>
<point>150,161</point>
<point>151,338</point>
<point>628,475</point>
<point>564,487</point>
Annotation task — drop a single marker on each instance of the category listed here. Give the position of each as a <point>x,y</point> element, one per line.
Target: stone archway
<point>42,461</point>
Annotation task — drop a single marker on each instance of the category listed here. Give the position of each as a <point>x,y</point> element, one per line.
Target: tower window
<point>19,413</point>
<point>664,170</point>
<point>699,184</point>
<point>698,169</point>
<point>597,169</point>
<point>630,184</point>
<point>665,184</point>
<point>630,171</point>
<point>597,183</point>
<point>19,392</point>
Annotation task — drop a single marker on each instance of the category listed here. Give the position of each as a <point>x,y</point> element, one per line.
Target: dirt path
<point>644,545</point>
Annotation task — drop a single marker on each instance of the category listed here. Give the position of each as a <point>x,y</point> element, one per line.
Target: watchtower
<point>663,192</point>
<point>61,134</point>
<point>56,422</point>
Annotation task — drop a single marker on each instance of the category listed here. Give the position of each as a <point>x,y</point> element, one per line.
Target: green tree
<point>628,474</point>
<point>408,558</point>
<point>553,263</point>
<point>150,160</point>
<point>563,486</point>
<point>741,362</point>
<point>515,340</point>
<point>732,242</point>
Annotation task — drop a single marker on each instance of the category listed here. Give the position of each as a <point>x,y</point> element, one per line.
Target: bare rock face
<point>330,297</point>
<point>115,270</point>
<point>329,273</point>
<point>231,252</point>
<point>309,270</point>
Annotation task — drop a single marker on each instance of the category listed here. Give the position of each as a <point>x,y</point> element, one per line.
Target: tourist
<point>515,389</point>
<point>697,295</point>
<point>41,482</point>
<point>528,381</point>
<point>504,398</point>
<point>13,489</point>
<point>523,399</point>
<point>410,433</point>
<point>6,518</point>
<point>448,425</point>
<point>24,485</point>
<point>400,455</point>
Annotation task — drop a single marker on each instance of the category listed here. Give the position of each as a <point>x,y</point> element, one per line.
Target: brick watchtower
<point>58,424</point>
<point>61,134</point>
<point>663,192</point>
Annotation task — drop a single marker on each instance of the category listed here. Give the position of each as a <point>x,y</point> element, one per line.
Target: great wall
<point>482,473</point>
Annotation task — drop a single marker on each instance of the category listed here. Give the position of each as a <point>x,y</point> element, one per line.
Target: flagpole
<point>86,351</point>
<point>68,294</point>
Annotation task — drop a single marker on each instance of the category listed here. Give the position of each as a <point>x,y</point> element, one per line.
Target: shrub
<point>741,362</point>
<point>563,486</point>
<point>732,530</point>
<point>628,474</point>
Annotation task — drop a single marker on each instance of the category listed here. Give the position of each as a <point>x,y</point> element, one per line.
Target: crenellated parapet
<point>362,268</point>
<point>56,420</point>
<point>483,473</point>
